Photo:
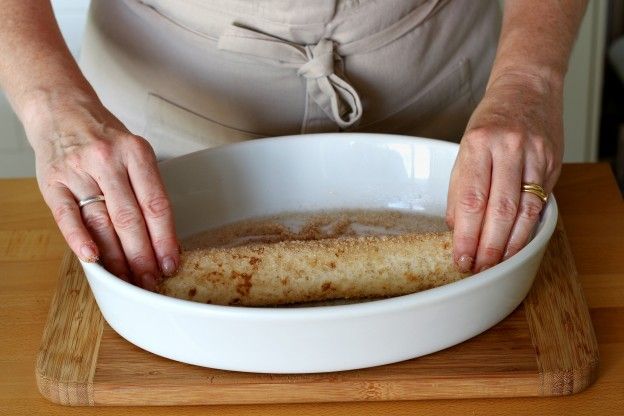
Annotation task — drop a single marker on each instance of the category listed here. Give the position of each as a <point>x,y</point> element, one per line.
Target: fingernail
<point>148,282</point>
<point>169,266</point>
<point>484,268</point>
<point>465,263</point>
<point>88,253</point>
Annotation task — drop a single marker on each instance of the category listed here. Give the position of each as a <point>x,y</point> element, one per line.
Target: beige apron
<point>199,73</point>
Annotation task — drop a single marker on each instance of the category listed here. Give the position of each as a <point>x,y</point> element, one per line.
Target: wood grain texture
<point>546,347</point>
<point>563,336</point>
<point>127,375</point>
<point>71,339</point>
<point>589,202</point>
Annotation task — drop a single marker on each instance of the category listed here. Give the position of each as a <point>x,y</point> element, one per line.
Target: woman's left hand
<point>514,136</point>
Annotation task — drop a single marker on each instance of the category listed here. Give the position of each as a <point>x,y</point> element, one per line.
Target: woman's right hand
<point>82,150</point>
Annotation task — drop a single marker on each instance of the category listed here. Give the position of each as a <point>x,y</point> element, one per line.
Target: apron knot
<point>328,94</point>
<point>320,60</point>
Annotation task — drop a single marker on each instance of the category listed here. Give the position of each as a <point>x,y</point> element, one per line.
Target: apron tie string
<point>323,69</point>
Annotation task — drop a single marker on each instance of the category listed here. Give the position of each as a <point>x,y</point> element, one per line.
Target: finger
<point>98,223</point>
<point>528,216</point>
<point>67,215</point>
<point>156,208</point>
<point>502,206</point>
<point>95,218</point>
<point>451,200</point>
<point>472,188</point>
<point>130,228</point>
<point>529,212</point>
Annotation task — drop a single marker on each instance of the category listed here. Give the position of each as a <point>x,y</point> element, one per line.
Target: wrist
<point>49,114</point>
<point>37,99</point>
<point>40,103</point>
<point>541,79</point>
<point>523,101</point>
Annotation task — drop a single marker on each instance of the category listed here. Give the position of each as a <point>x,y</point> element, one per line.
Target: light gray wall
<point>583,87</point>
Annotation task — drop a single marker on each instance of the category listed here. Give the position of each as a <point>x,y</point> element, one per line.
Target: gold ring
<point>536,190</point>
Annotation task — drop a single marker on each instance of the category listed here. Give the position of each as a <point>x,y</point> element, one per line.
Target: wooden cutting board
<point>546,347</point>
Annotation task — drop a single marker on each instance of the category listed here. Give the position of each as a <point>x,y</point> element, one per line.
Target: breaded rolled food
<point>302,271</point>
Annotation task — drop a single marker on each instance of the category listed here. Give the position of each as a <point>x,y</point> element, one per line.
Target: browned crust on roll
<point>302,271</point>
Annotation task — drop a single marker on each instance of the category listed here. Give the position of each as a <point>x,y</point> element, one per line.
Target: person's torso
<point>239,63</point>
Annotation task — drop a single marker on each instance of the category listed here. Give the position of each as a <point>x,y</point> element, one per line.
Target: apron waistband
<point>329,95</point>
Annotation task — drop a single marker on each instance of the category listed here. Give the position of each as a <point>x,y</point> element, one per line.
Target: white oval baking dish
<point>304,173</point>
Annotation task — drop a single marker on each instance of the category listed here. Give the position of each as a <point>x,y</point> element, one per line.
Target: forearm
<point>35,62</point>
<point>536,40</point>
<point>514,136</point>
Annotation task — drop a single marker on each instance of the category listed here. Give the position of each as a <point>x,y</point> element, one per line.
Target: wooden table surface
<point>593,213</point>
